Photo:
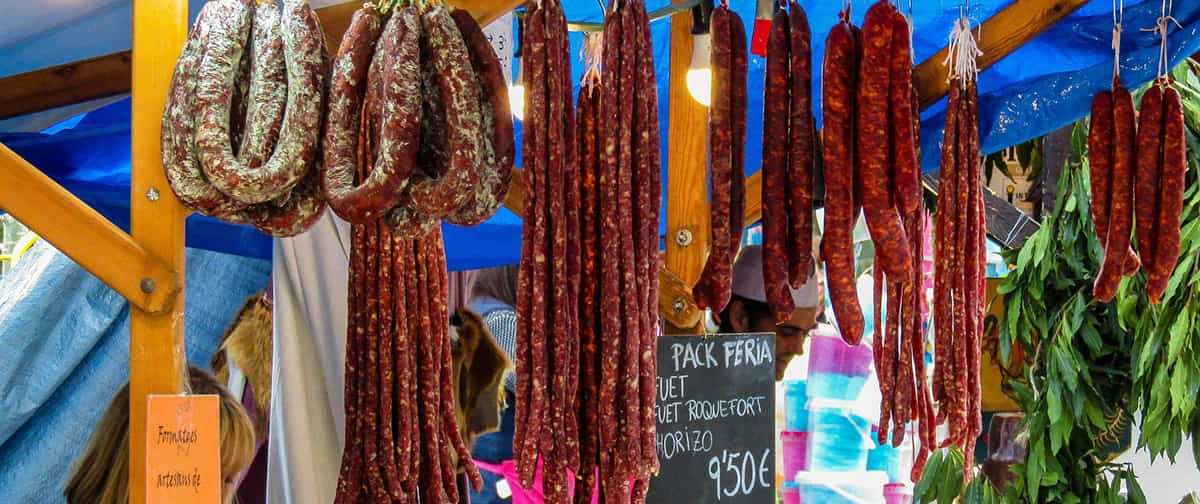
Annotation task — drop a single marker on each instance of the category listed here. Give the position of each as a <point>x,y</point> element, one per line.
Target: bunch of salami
<point>787,199</point>
<point>726,156</point>
<point>588,288</point>
<point>1138,175</point>
<point>241,125</point>
<point>403,442</point>
<point>959,271</point>
<point>419,96</point>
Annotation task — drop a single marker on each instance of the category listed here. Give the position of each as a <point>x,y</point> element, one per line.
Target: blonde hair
<point>101,475</point>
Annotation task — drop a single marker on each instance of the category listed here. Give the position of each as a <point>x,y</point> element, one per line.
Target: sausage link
<point>535,162</point>
<point>387,367</point>
<point>629,409</point>
<point>1100,143</point>
<point>739,107</point>
<point>496,125</point>
<point>344,115</point>
<point>650,198</point>
<point>944,248</point>
<point>454,79</point>
<point>712,292</point>
<point>609,243</point>
<point>891,247</point>
<point>399,135</point>
<point>802,153</point>
<point>776,102</point>
<point>878,348</point>
<point>838,106</point>
<point>303,45</point>
<point>267,94</point>
<point>586,396</point>
<point>1170,207</point>
<point>906,167</point>
<point>1120,211</point>
<point>1149,172</point>
<point>179,159</point>
<point>348,480</point>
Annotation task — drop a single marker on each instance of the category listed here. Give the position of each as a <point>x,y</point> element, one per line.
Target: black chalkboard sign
<point>716,419</point>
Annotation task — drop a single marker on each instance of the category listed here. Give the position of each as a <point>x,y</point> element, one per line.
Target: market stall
<point>1013,101</point>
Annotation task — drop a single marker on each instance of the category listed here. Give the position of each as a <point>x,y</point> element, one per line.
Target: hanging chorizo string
<point>726,144</point>
<point>1162,153</point>
<point>959,275</point>
<point>587,291</point>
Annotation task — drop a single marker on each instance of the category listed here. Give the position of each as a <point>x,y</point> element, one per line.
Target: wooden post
<point>687,176</point>
<point>157,363</point>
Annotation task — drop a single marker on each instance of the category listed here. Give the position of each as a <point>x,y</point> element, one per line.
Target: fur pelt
<point>248,342</point>
<point>479,369</point>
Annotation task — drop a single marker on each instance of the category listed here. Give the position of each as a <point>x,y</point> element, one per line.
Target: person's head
<point>748,311</point>
<point>499,283</point>
<point>101,475</point>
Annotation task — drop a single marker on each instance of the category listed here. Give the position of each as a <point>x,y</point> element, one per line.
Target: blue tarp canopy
<point>1044,85</point>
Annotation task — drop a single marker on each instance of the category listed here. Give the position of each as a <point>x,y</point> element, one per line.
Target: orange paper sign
<point>183,459</point>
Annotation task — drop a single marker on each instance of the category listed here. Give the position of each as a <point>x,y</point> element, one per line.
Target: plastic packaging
<point>837,370</point>
<point>795,452</point>
<point>795,405</point>
<point>791,493</point>
<point>838,438</point>
<point>859,487</point>
<point>897,493</point>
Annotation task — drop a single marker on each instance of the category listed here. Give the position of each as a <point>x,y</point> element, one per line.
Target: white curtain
<point>307,419</point>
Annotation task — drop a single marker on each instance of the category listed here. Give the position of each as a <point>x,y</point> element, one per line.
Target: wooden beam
<point>999,36</point>
<point>105,76</point>
<point>67,84</point>
<point>84,235</point>
<point>688,235</point>
<point>157,362</point>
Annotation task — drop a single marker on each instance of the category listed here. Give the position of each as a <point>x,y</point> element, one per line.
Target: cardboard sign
<point>183,458</point>
<point>716,419</point>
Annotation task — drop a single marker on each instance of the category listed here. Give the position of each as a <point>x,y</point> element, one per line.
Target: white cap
<point>748,280</point>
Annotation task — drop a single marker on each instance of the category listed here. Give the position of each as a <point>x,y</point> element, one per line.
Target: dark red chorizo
<point>1174,176</point>
<point>775,226</point>
<point>1149,171</point>
<point>802,154</point>
<point>738,110</point>
<point>649,202</point>
<point>629,410</point>
<point>1100,143</point>
<point>609,243</point>
<point>713,290</point>
<point>906,174</point>
<point>887,233</point>
<point>838,243</point>
<point>1120,206</point>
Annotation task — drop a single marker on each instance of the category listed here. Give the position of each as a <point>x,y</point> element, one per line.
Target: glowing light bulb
<point>516,92</point>
<point>699,74</point>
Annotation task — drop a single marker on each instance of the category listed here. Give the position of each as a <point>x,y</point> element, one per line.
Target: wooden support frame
<point>157,363</point>
<point>85,236</point>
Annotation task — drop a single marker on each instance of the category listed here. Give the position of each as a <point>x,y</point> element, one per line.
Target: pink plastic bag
<point>520,495</point>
